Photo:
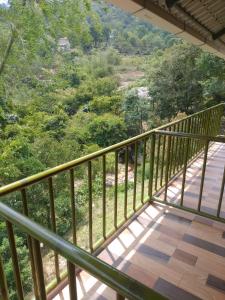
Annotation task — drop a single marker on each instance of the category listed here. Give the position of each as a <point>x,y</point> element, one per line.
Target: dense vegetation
<point>58,104</point>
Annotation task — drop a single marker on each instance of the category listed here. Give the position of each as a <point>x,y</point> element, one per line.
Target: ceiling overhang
<point>200,22</point>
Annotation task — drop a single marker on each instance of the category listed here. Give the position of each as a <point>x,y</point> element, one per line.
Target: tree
<point>106,104</point>
<point>107,129</point>
<point>174,81</point>
<point>136,110</point>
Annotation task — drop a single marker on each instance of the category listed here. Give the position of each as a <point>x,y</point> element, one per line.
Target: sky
<point>3,1</point>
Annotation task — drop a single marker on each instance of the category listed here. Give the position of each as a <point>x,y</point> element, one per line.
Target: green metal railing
<point>121,283</point>
<point>155,158</point>
<point>192,139</point>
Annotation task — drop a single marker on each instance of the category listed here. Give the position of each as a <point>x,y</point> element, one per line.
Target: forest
<point>77,76</point>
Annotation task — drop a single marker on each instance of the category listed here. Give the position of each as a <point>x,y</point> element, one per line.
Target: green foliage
<point>136,110</point>
<point>174,81</point>
<point>184,79</point>
<point>107,129</point>
<point>106,104</point>
<point>56,105</point>
<point>23,258</point>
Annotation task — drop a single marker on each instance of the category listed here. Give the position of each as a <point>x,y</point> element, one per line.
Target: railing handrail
<point>118,281</point>
<point>219,138</point>
<point>20,184</point>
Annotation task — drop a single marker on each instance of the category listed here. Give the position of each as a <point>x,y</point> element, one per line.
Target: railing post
<point>53,223</point>
<point>116,190</point>
<point>126,183</point>
<point>72,280</point>
<point>157,163</point>
<point>162,161</point>
<point>135,176</point>
<point>15,262</point>
<point>104,196</point>
<point>167,167</point>
<point>186,157</point>
<point>3,283</point>
<point>90,205</point>
<point>73,206</point>
<point>143,172</point>
<point>151,166</point>
<point>29,243</point>
<point>203,174</point>
<point>39,269</point>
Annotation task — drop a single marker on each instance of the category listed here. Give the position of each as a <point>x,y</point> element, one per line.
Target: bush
<point>113,57</point>
<point>107,129</point>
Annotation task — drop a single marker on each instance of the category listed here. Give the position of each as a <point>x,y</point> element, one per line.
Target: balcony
<point>154,229</point>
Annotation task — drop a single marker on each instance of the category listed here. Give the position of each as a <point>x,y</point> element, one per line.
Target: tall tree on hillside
<point>175,82</point>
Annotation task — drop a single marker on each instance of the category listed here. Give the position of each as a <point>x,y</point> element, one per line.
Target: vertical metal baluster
<point>175,150</point>
<point>135,175</point>
<point>143,172</point>
<point>90,205</point>
<point>3,284</point>
<point>39,269</point>
<point>195,140</point>
<point>211,114</point>
<point>167,167</point>
<point>199,132</point>
<point>157,163</point>
<point>73,206</point>
<point>53,224</point>
<point>172,153</point>
<point>221,194</point>
<point>29,244</point>
<point>151,166</point>
<point>163,159</point>
<point>178,148</point>
<point>104,196</point>
<point>15,263</point>
<point>185,165</point>
<point>126,183</point>
<point>182,145</point>
<point>206,120</point>
<point>221,114</point>
<point>192,140</point>
<point>72,280</point>
<point>203,174</point>
<point>217,118</point>
<point>116,190</point>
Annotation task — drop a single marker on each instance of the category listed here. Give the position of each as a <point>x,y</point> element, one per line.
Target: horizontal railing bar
<point>219,139</point>
<point>66,166</point>
<point>107,274</point>
<point>193,115</point>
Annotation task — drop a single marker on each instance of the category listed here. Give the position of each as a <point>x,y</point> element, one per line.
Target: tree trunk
<point>8,49</point>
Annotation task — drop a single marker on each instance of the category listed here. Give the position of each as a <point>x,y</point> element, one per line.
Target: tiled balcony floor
<point>177,253</point>
<point>212,183</point>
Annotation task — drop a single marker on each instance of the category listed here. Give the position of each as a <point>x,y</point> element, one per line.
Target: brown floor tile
<point>216,283</point>
<point>172,233</point>
<point>153,253</point>
<point>172,292</point>
<point>203,220</point>
<point>185,257</point>
<point>141,275</point>
<point>204,244</point>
